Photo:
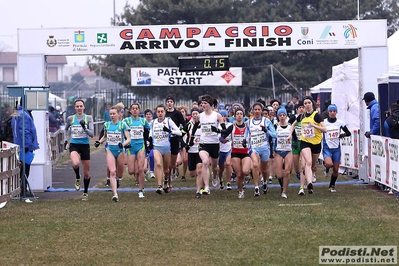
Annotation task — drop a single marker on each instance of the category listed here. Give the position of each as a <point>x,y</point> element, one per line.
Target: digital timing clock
<point>204,63</point>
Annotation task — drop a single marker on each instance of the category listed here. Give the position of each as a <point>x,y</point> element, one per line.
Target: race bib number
<point>160,136</point>
<point>114,138</point>
<point>332,133</point>
<point>77,132</point>
<point>237,142</point>
<point>258,140</point>
<point>136,132</point>
<point>298,132</point>
<point>206,129</point>
<point>308,132</point>
<point>282,143</point>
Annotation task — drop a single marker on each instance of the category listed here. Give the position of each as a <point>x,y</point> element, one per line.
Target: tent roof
<point>325,86</point>
<point>57,98</point>
<point>391,76</point>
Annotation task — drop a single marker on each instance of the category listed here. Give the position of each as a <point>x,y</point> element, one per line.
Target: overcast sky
<point>55,14</point>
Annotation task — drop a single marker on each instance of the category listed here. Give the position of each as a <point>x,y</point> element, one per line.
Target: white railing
<point>9,171</point>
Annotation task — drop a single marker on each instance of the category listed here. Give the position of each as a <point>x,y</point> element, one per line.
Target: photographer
<point>391,124</point>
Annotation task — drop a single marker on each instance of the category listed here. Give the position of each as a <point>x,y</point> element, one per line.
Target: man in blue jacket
<point>372,104</point>
<point>24,123</point>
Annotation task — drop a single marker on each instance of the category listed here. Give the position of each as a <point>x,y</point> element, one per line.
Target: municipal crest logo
<point>305,32</point>
<point>51,42</point>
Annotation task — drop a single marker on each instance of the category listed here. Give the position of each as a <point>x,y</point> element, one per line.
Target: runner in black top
<point>175,141</point>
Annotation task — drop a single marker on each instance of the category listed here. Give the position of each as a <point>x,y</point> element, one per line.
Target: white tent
<point>345,92</point>
<point>344,85</point>
<point>393,59</point>
<point>54,100</point>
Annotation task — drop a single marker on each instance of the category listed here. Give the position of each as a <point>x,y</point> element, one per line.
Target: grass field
<point>177,229</point>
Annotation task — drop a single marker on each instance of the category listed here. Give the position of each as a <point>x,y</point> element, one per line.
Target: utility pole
<point>274,89</point>
<point>114,13</point>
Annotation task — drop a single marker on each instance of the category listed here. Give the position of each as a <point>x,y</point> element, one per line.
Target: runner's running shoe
<point>115,198</point>
<point>85,197</point>
<point>215,181</point>
<point>310,188</point>
<point>77,183</point>
<point>265,188</point>
<point>270,179</point>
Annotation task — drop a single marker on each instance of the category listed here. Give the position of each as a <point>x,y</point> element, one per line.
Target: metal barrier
<point>9,172</point>
<point>57,140</point>
<point>57,145</point>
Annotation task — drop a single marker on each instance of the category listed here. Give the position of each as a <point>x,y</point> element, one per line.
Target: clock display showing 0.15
<point>204,63</point>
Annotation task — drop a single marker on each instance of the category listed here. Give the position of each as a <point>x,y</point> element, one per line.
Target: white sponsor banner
<point>194,38</point>
<point>393,145</point>
<point>383,154</point>
<point>170,76</point>
<point>349,145</point>
<point>378,158</point>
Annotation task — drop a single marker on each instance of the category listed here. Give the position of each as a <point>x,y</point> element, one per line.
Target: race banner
<point>378,159</point>
<point>170,76</point>
<point>203,38</point>
<point>393,145</point>
<point>349,157</point>
<point>384,161</point>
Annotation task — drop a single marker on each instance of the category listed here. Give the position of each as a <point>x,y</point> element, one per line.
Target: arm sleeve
<point>90,128</point>
<point>374,121</point>
<point>387,130</point>
<point>182,121</point>
<point>227,131</point>
<point>146,133</point>
<point>185,128</point>
<point>175,130</point>
<point>292,120</point>
<point>271,131</point>
<point>346,130</point>
<point>195,127</point>
<point>101,134</point>
<point>67,126</point>
<point>318,118</point>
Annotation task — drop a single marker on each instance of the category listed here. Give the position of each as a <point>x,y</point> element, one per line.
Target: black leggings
<point>27,171</point>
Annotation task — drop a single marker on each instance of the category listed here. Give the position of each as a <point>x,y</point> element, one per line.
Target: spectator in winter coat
<point>372,104</point>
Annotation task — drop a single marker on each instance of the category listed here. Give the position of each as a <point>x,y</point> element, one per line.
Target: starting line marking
<point>301,204</point>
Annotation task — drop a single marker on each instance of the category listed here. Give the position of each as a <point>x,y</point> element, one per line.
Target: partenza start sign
<point>263,36</point>
<point>170,76</point>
